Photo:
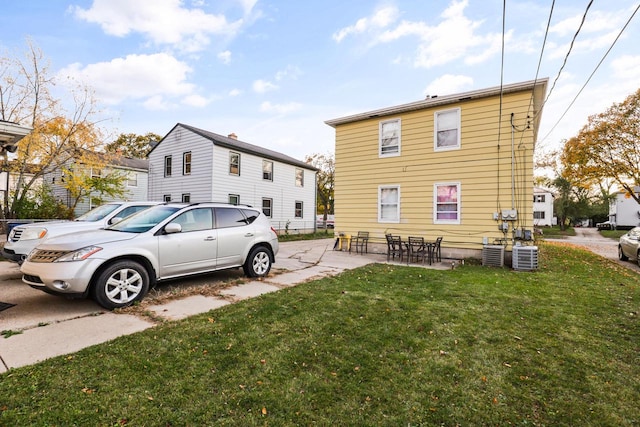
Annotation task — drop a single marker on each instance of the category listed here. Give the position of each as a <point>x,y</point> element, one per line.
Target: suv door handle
<point>209,238</point>
<point>248,235</point>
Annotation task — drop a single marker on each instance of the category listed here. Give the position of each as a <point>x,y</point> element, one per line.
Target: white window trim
<point>380,125</point>
<point>231,154</point>
<point>301,182</point>
<point>435,130</point>
<point>380,219</point>
<point>435,203</point>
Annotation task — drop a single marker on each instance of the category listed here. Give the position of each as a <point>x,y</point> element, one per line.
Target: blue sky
<point>273,71</point>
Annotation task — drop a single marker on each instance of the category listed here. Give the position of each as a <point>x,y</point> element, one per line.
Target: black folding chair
<point>394,247</point>
<point>361,242</point>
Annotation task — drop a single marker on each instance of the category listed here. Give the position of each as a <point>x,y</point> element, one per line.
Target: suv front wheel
<point>121,284</point>
<point>258,262</point>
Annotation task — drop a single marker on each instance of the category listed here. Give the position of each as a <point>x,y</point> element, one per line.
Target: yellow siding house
<point>457,166</point>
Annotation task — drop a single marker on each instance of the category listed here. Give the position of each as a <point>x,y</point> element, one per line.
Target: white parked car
<point>629,245</point>
<point>117,266</point>
<point>23,238</point>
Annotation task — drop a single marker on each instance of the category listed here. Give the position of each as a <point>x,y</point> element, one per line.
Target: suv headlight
<point>32,233</point>
<point>79,255</point>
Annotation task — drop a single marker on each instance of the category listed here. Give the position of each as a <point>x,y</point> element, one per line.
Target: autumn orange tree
<point>607,149</point>
<point>26,98</point>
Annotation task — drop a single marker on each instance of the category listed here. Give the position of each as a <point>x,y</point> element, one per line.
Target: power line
<point>594,71</point>
<point>566,57</point>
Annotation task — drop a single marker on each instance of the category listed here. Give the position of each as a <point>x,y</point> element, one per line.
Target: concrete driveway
<point>37,326</point>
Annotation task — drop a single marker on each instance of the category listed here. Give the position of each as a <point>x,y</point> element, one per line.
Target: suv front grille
<point>16,234</point>
<point>40,255</point>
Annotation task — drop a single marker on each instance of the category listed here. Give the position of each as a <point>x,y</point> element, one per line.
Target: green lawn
<point>380,345</point>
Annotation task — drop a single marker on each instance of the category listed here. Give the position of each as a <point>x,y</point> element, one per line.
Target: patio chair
<point>418,249</point>
<point>360,242</point>
<point>394,247</point>
<point>437,252</point>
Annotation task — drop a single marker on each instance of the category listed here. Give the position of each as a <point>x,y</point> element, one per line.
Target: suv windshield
<point>96,214</point>
<point>145,220</point>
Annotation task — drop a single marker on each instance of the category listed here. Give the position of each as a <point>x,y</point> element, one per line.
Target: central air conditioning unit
<point>525,258</point>
<point>493,255</point>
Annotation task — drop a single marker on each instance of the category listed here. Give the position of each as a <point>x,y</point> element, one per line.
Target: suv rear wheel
<point>258,262</point>
<point>121,284</point>
<point>621,255</point>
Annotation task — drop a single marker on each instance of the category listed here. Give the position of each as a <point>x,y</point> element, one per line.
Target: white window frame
<point>299,177</point>
<point>458,204</point>
<point>234,199</point>
<point>437,128</point>
<point>168,166</point>
<point>267,170</point>
<point>381,139</point>
<point>132,179</point>
<point>231,155</point>
<point>270,207</point>
<point>381,217</point>
<point>297,210</point>
<point>186,163</point>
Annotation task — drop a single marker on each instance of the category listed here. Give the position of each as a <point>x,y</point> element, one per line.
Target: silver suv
<point>23,238</point>
<point>117,266</point>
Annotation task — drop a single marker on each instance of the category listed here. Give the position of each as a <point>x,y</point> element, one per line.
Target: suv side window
<point>229,217</point>
<point>251,215</point>
<point>195,220</point>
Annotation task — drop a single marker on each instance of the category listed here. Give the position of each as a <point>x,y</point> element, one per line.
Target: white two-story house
<point>543,208</point>
<point>195,165</point>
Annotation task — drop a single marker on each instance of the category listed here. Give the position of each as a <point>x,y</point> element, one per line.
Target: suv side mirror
<point>172,228</point>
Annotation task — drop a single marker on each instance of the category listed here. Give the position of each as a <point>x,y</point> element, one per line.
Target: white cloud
<point>164,22</point>
<point>267,107</point>
<point>235,92</point>
<point>448,84</point>
<point>380,19</point>
<point>289,73</point>
<point>627,67</point>
<point>454,37</point>
<point>156,103</point>
<point>195,100</point>
<point>225,57</point>
<point>263,86</point>
<point>133,77</point>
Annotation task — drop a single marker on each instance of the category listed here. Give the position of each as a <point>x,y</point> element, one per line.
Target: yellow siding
<point>482,166</point>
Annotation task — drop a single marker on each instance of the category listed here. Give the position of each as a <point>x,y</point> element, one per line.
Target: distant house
<point>457,166</point>
<point>543,207</point>
<point>195,165</point>
<point>135,170</point>
<point>624,211</point>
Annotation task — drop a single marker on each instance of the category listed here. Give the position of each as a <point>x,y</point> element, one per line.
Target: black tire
<point>621,255</point>
<point>121,284</point>
<point>258,263</point>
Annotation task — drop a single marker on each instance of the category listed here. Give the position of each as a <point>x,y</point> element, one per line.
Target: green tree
<point>326,165</point>
<point>132,145</point>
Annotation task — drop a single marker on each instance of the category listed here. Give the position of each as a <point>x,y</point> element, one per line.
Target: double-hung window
<point>132,179</point>
<point>267,205</point>
<point>389,203</point>
<point>298,210</point>
<point>447,129</point>
<point>267,170</point>
<point>446,202</point>
<point>234,163</point>
<point>186,163</point>
<point>299,177</point>
<point>167,165</point>
<point>389,138</point>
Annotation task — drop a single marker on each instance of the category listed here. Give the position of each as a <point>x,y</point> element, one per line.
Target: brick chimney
<point>233,136</point>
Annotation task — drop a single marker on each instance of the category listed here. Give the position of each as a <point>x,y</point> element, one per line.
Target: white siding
<point>252,188</point>
<point>197,184</point>
<point>210,179</point>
